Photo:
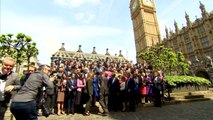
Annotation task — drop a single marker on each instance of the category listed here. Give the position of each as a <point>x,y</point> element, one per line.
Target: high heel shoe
<point>62,112</point>
<point>59,113</point>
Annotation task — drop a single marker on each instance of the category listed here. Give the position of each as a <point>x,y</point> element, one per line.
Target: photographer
<point>9,84</point>
<point>23,104</point>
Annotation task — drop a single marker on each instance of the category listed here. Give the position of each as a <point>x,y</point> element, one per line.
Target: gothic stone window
<point>186,37</point>
<point>175,43</point>
<point>189,48</point>
<point>209,53</point>
<point>201,30</point>
<point>205,42</point>
<point>192,58</point>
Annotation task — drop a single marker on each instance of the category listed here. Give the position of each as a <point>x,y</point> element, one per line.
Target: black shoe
<point>87,114</point>
<point>72,113</point>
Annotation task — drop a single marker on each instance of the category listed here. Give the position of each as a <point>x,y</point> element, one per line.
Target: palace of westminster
<point>195,39</point>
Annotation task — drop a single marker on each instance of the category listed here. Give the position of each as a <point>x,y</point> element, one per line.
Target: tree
<point>31,51</point>
<point>6,45</point>
<point>166,59</point>
<point>182,66</point>
<point>22,48</point>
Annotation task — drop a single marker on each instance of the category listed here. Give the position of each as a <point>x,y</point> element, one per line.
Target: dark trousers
<point>104,102</point>
<point>132,100</point>
<point>88,104</point>
<point>51,102</point>
<point>113,102</point>
<point>78,102</point>
<point>71,103</point>
<point>24,110</point>
<point>3,109</point>
<point>157,98</point>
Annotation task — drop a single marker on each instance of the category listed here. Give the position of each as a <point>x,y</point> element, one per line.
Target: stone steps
<point>191,96</point>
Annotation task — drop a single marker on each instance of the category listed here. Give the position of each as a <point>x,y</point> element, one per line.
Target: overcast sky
<point>100,23</point>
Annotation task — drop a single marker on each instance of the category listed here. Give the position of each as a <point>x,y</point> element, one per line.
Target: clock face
<point>134,5</point>
<point>148,2</point>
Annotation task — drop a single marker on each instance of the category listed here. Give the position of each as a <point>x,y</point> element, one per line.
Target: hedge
<point>180,81</point>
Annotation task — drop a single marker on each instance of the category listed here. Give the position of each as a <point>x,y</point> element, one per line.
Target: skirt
<point>61,97</point>
<point>143,90</point>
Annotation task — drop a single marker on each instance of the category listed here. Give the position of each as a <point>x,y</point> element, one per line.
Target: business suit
<point>10,79</point>
<point>89,92</point>
<point>71,93</point>
<point>157,87</point>
<point>104,93</point>
<point>131,93</point>
<point>114,89</point>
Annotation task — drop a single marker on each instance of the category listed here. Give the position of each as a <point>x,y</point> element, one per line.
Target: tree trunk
<point>28,63</point>
<point>18,67</point>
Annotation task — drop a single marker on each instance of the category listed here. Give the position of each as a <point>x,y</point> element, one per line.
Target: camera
<point>45,110</point>
<point>41,102</point>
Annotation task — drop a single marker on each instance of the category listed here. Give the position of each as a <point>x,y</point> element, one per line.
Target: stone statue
<point>189,62</point>
<point>208,61</point>
<point>196,59</point>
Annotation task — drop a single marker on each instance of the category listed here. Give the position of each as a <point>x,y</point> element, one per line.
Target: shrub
<point>180,81</point>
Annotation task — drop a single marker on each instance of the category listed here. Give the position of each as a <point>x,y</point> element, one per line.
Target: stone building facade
<point>63,55</point>
<point>195,39</point>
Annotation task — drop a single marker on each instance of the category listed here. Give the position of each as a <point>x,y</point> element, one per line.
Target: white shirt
<point>2,86</point>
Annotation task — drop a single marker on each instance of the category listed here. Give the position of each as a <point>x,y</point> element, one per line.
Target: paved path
<point>202,110</point>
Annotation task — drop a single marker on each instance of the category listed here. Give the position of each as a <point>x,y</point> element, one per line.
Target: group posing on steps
<point>74,86</point>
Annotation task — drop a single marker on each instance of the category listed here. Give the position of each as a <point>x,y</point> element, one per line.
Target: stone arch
<point>203,74</point>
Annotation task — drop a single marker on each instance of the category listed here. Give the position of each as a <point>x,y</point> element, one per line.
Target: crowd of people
<point>74,86</point>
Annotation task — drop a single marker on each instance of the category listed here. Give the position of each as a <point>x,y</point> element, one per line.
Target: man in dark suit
<point>104,93</point>
<point>9,84</point>
<point>131,91</point>
<point>114,89</point>
<point>71,91</point>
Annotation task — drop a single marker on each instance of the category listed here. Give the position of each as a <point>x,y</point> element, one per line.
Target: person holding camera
<point>24,106</point>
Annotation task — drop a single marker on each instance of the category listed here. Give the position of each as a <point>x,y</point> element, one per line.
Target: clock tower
<point>145,24</point>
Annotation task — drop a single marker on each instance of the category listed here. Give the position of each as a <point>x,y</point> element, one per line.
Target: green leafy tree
<point>182,66</point>
<point>6,45</point>
<point>21,48</point>
<point>31,51</point>
<point>165,59</point>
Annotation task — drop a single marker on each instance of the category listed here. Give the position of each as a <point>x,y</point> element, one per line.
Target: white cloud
<point>50,32</point>
<point>86,17</point>
<point>76,3</point>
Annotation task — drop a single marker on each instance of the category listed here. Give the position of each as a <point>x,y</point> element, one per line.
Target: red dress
<point>143,87</point>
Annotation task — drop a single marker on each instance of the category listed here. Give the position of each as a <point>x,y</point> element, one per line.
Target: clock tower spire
<point>145,24</point>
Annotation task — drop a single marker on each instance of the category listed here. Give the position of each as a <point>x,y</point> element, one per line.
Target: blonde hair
<point>8,59</point>
<point>90,75</point>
